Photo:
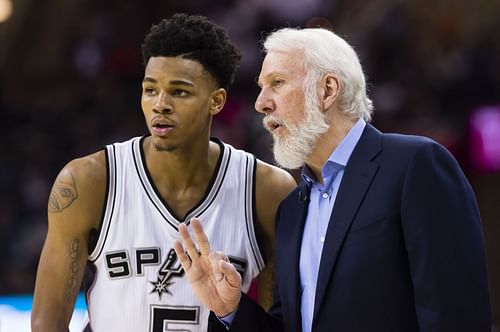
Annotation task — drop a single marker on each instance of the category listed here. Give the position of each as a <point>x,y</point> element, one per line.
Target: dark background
<point>71,71</point>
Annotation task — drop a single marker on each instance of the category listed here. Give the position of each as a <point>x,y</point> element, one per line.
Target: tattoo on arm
<point>63,193</point>
<point>71,281</point>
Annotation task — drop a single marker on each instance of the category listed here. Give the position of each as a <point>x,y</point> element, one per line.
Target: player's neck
<point>185,168</point>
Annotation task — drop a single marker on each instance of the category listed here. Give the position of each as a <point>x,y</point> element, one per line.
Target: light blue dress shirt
<point>322,199</point>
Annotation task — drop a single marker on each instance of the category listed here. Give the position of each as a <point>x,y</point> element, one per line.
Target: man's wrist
<point>227,319</point>
<point>227,310</point>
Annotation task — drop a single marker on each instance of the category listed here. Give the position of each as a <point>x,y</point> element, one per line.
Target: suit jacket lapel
<point>357,177</point>
<point>292,220</point>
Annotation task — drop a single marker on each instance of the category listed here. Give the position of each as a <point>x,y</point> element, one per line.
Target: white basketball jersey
<point>139,284</point>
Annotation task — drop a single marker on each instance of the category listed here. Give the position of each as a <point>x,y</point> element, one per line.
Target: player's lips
<point>161,126</point>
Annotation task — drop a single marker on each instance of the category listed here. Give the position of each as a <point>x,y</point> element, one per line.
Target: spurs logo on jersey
<point>171,268</point>
<point>139,284</point>
<point>118,266</point>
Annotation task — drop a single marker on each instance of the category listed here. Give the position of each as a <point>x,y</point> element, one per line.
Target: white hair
<point>293,151</point>
<point>325,52</point>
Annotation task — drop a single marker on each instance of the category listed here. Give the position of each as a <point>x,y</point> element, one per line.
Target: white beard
<point>293,151</point>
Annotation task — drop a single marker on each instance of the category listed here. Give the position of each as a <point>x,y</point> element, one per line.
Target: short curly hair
<point>196,38</point>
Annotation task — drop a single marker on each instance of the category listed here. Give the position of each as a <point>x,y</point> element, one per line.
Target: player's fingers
<point>232,277</point>
<point>201,237</point>
<point>188,242</point>
<point>215,258</point>
<point>181,255</point>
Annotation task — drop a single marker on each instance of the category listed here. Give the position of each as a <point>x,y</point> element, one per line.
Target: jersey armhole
<point>98,237</point>
<point>251,210</point>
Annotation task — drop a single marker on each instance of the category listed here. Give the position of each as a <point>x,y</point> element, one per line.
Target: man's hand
<point>215,281</point>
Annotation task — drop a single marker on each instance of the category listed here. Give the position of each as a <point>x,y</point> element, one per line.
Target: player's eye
<point>149,91</point>
<point>180,93</point>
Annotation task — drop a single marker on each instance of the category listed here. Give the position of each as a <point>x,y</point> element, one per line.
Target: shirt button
<point>322,239</point>
<point>325,195</point>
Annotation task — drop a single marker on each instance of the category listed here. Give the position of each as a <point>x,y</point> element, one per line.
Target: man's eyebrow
<point>256,80</point>
<point>269,77</point>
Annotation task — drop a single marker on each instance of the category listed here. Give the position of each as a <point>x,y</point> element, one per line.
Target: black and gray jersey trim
<point>251,164</point>
<point>162,206</point>
<point>109,202</point>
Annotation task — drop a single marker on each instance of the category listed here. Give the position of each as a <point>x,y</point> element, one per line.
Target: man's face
<point>282,93</point>
<point>176,101</point>
<point>294,123</point>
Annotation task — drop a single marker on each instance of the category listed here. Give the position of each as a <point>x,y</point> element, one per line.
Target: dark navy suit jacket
<point>403,252</point>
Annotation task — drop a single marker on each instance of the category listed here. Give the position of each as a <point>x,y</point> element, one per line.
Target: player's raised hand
<point>213,279</point>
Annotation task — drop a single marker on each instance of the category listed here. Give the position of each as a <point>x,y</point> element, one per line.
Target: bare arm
<point>272,186</point>
<point>74,209</point>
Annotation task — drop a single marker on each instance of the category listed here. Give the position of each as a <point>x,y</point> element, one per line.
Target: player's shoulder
<point>80,187</point>
<point>89,170</point>
<point>89,166</point>
<point>270,175</point>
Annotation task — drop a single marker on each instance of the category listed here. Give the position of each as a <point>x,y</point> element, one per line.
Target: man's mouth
<point>272,124</point>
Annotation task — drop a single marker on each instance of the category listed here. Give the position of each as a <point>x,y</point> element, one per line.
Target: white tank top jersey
<point>138,283</point>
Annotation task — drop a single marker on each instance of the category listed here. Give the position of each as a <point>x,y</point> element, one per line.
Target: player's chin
<point>162,146</point>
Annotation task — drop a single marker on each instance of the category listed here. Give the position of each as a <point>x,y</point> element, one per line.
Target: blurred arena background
<point>70,80</point>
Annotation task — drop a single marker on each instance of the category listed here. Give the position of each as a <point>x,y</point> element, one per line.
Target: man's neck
<point>327,143</point>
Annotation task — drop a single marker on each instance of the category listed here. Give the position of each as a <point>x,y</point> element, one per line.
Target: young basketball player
<point>117,211</point>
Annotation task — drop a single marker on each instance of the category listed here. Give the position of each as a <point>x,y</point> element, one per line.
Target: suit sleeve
<point>443,236</point>
<point>250,317</point>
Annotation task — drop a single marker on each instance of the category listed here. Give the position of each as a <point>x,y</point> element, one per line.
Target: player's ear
<point>218,100</point>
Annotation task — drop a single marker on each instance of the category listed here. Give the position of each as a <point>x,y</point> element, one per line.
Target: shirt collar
<point>340,155</point>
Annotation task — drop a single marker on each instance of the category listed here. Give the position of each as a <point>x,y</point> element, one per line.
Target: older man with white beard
<point>383,233</point>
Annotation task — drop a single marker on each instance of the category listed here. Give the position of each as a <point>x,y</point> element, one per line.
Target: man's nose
<point>264,103</point>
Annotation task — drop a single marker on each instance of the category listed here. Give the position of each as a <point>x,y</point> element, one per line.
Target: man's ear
<point>330,89</point>
<point>218,100</point>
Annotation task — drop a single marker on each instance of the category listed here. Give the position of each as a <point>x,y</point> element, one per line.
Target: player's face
<point>178,98</point>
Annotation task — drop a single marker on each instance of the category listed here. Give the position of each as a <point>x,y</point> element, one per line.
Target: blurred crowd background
<point>70,82</point>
